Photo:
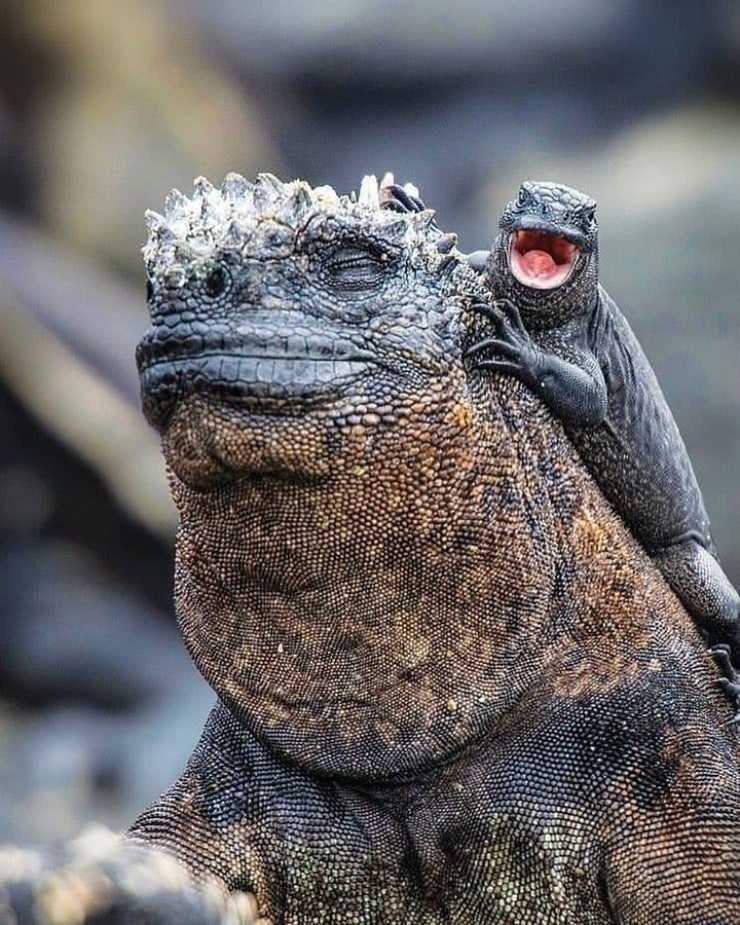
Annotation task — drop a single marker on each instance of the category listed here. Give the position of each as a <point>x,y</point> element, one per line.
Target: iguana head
<point>360,514</point>
<point>545,258</point>
<point>282,302</point>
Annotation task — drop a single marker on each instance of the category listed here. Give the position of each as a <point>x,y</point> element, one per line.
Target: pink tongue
<point>538,263</point>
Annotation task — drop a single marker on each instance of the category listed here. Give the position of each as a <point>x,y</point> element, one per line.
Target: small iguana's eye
<point>589,213</point>
<point>149,290</point>
<point>216,282</point>
<point>523,198</point>
<point>355,269</point>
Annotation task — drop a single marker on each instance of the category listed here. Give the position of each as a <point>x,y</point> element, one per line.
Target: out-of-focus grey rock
<point>429,41</point>
<point>107,704</point>
<point>131,107</point>
<point>97,316</point>
<point>445,94</point>
<point>75,637</point>
<point>99,879</point>
<point>68,331</point>
<point>64,767</point>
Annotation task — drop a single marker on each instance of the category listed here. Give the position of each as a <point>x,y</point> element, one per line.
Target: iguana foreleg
<point>576,395</point>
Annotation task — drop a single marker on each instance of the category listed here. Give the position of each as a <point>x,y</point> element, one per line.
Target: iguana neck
<point>375,622</point>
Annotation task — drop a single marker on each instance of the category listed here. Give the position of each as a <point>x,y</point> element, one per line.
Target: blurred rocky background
<point>106,104</point>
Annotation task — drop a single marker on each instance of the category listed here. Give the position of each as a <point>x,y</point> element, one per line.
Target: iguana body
<point>568,341</point>
<point>452,687</point>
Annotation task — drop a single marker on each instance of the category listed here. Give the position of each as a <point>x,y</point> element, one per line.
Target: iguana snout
<point>281,316</point>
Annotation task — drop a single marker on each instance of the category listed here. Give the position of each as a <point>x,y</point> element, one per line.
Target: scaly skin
<point>573,347</point>
<point>452,687</point>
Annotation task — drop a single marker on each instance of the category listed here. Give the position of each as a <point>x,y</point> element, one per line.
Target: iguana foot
<point>519,355</point>
<point>730,684</point>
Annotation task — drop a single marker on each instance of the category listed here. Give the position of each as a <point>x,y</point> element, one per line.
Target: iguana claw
<point>731,683</point>
<point>512,341</point>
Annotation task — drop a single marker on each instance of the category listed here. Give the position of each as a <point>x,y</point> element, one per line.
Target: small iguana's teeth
<point>369,197</point>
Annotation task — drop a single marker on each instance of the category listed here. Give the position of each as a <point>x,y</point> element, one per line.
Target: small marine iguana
<point>452,686</point>
<point>559,332</point>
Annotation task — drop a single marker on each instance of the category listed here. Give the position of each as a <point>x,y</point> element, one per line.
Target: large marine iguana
<point>452,687</point>
<point>559,332</point>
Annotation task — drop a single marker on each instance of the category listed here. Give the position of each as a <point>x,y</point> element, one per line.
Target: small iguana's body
<point>565,337</point>
<point>452,687</point>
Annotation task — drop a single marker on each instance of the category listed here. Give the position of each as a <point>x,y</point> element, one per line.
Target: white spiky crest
<point>369,194</point>
<point>196,228</point>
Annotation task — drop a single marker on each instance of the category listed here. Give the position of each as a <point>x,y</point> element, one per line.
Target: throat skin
<point>376,621</point>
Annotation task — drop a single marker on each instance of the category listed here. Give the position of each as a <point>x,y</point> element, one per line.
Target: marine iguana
<point>559,332</point>
<point>452,686</point>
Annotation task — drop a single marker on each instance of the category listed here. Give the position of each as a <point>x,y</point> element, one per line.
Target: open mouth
<point>541,260</point>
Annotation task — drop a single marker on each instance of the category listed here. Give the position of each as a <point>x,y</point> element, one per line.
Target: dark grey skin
<point>575,349</point>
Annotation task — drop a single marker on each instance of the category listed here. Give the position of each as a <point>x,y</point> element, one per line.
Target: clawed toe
<point>499,366</point>
<point>492,343</point>
<point>722,654</point>
<point>730,687</point>
<point>510,311</point>
<point>488,311</point>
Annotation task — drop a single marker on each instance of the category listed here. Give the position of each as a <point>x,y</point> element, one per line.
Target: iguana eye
<point>355,269</point>
<point>216,282</point>
<point>523,198</point>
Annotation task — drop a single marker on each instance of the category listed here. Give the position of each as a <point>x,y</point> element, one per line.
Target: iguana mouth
<point>540,259</point>
<point>268,371</point>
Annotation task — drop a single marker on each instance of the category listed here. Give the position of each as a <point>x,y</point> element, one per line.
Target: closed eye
<point>354,270</point>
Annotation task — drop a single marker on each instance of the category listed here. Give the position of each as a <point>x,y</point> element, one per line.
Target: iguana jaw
<point>262,365</point>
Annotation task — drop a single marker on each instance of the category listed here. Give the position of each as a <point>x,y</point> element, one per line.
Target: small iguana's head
<point>546,255</point>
